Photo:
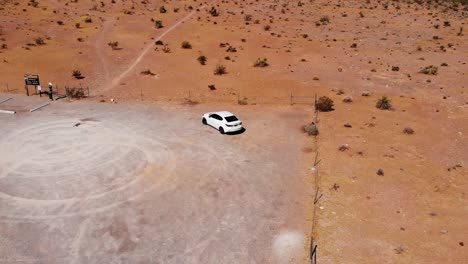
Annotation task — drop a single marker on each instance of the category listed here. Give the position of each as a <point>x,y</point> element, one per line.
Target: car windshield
<point>231,118</point>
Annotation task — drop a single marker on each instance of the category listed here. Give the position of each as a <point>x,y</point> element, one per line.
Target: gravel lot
<point>108,183</point>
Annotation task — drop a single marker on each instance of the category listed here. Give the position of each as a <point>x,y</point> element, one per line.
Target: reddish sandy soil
<point>414,213</point>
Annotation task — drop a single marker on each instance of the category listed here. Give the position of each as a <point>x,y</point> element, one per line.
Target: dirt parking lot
<point>112,183</point>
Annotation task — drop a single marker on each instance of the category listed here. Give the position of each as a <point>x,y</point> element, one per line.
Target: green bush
<point>311,129</point>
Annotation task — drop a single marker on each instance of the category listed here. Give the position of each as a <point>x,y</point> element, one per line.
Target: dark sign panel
<point>31,80</point>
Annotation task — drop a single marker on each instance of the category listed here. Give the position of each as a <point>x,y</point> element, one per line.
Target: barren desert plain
<point>127,173</point>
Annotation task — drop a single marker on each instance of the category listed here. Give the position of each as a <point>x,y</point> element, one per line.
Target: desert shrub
<point>113,44</point>
<point>324,104</point>
<point>444,64</point>
<point>88,20</point>
<point>158,24</point>
<point>39,41</point>
<point>212,87</point>
<point>243,101</point>
<point>354,45</point>
<point>77,25</point>
<point>4,46</point>
<point>311,129</point>
<point>214,12</point>
<point>176,10</point>
<point>395,68</point>
<point>248,18</point>
<point>162,10</point>
<point>202,59</point>
<point>159,43</point>
<point>77,74</point>
<point>430,70</point>
<point>186,45</point>
<point>408,130</point>
<point>383,103</point>
<point>220,69</point>
<point>324,20</point>
<point>147,72</point>
<point>74,92</point>
<point>261,63</point>
<point>267,27</point>
<point>60,23</point>
<point>231,49</point>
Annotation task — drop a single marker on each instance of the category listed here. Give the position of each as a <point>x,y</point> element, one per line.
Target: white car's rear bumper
<point>233,129</point>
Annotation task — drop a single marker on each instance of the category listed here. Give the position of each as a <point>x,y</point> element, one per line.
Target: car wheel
<point>204,121</point>
<point>221,130</point>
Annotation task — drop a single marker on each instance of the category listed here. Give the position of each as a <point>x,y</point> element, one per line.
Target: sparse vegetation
<point>77,74</point>
<point>384,103</point>
<point>214,12</point>
<point>311,129</point>
<point>186,45</point>
<point>39,41</point>
<point>261,63</point>
<point>324,104</point>
<point>220,69</point>
<point>158,24</point>
<point>408,130</point>
<point>147,72</point>
<point>430,70</point>
<point>202,59</point>
<point>114,45</point>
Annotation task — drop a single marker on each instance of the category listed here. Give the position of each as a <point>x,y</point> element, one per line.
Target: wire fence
<point>317,183</point>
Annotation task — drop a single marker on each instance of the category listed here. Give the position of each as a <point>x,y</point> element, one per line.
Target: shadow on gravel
<point>236,132</point>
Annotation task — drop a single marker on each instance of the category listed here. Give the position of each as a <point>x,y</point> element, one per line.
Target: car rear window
<point>231,118</point>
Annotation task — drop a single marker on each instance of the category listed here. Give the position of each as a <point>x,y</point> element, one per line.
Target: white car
<point>223,121</point>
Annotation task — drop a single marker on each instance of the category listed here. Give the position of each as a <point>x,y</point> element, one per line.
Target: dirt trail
<point>99,46</point>
<point>117,79</point>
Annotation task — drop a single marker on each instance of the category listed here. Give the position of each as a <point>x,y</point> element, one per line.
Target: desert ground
<point>375,186</point>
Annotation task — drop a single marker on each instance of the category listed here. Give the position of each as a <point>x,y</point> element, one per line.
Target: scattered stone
<point>348,99</point>
<point>343,147</point>
<point>408,130</point>
<point>365,93</point>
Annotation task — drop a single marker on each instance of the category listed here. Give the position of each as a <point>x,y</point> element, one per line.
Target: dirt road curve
<point>96,183</point>
<point>115,81</point>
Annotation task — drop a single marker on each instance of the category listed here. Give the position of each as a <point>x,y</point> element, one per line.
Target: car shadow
<point>236,132</point>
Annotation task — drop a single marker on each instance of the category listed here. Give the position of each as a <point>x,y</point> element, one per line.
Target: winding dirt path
<point>115,81</point>
<point>99,46</point>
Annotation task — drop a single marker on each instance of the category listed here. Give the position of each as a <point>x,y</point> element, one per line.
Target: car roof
<point>223,113</point>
